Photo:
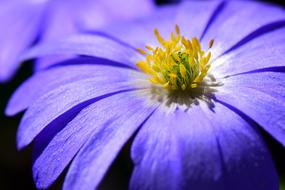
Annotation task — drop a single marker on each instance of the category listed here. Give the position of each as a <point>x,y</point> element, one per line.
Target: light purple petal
<point>56,102</point>
<point>90,45</point>
<point>86,68</point>
<point>156,153</point>
<point>201,149</point>
<point>268,82</point>
<point>57,13</point>
<point>112,123</point>
<point>15,17</point>
<point>261,97</point>
<point>47,62</point>
<point>246,161</point>
<point>192,17</point>
<point>78,16</point>
<point>44,20</point>
<point>239,19</point>
<point>95,14</point>
<point>263,52</point>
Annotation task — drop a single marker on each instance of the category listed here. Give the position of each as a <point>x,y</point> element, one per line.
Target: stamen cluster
<point>179,64</point>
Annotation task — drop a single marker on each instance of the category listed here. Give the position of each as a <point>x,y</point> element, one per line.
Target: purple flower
<point>24,22</point>
<point>197,114</point>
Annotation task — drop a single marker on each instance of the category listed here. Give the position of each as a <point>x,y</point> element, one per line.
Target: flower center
<point>179,64</point>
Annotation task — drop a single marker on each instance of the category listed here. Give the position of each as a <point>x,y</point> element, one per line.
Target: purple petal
<point>110,130</point>
<point>78,16</point>
<point>90,45</point>
<point>246,161</point>
<point>56,102</point>
<point>33,88</point>
<point>261,97</point>
<point>192,17</point>
<point>232,25</point>
<point>47,62</point>
<point>46,17</point>
<point>95,14</point>
<point>156,154</point>
<point>271,83</point>
<point>57,13</point>
<point>262,108</point>
<point>265,51</point>
<point>201,149</point>
<point>16,16</point>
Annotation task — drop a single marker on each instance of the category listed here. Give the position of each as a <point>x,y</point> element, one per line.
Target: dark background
<point>15,167</point>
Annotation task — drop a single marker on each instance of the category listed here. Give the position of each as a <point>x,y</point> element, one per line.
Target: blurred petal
<point>57,13</point>
<point>43,20</point>
<point>201,149</point>
<point>85,68</point>
<point>231,25</point>
<point>108,136</point>
<point>95,14</point>
<point>52,105</point>
<point>192,18</point>
<point>15,17</point>
<point>78,16</point>
<point>90,45</point>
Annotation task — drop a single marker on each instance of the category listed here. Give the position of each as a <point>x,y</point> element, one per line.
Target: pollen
<point>178,64</point>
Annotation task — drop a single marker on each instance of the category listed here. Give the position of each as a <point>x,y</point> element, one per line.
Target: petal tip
<point>20,142</point>
<point>10,110</point>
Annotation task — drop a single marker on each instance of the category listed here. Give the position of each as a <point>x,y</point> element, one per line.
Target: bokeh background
<point>15,166</point>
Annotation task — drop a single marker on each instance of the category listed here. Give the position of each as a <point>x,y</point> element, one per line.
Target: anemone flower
<point>194,96</point>
<point>24,22</point>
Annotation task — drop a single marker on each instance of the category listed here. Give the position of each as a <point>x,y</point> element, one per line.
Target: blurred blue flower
<point>23,23</point>
<point>204,136</point>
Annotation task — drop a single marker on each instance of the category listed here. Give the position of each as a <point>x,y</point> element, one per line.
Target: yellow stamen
<point>172,75</point>
<point>196,44</point>
<point>208,57</point>
<point>211,43</point>
<point>153,80</point>
<point>158,36</point>
<point>179,64</point>
<point>141,51</point>
<point>149,48</point>
<point>144,67</point>
<point>177,29</point>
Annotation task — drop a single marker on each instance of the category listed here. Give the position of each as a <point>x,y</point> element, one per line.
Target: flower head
<point>199,137</point>
<point>43,20</point>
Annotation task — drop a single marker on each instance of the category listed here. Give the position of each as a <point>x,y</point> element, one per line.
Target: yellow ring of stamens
<point>179,64</point>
